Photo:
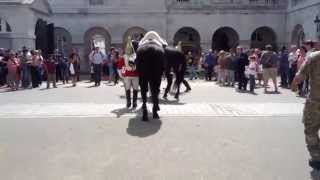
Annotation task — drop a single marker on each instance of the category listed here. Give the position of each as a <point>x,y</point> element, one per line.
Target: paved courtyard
<point>211,133</point>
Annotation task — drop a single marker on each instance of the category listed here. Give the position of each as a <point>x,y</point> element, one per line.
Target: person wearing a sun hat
<point>130,74</point>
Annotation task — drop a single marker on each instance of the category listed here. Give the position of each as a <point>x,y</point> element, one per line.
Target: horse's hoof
<point>176,97</point>
<point>156,116</point>
<point>156,108</point>
<point>134,106</point>
<point>165,97</point>
<point>145,118</point>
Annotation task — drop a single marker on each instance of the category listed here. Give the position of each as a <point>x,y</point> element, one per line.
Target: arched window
<point>4,26</point>
<point>96,2</point>
<point>99,41</point>
<point>63,40</point>
<point>97,37</point>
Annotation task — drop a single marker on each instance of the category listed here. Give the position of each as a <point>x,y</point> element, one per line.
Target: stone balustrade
<point>181,4</point>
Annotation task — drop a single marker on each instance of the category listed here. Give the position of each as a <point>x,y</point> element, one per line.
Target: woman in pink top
<point>301,57</point>
<point>257,54</point>
<point>300,61</point>
<point>13,72</point>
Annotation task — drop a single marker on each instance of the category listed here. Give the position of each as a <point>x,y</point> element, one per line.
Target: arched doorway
<point>44,37</point>
<point>5,26</point>
<point>225,38</point>
<point>298,35</point>
<point>40,33</point>
<point>97,37</point>
<point>136,33</point>
<point>5,33</point>
<point>190,39</point>
<point>263,36</point>
<point>63,41</point>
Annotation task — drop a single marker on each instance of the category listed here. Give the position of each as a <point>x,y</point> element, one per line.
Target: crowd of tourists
<point>250,68</point>
<point>27,69</point>
<point>245,68</point>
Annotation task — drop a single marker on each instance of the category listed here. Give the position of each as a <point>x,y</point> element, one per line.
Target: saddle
<point>153,37</point>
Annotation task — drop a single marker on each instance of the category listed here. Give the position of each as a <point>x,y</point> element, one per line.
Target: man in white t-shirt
<point>97,57</point>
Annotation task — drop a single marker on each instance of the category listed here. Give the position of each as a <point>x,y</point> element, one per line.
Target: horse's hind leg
<point>155,90</point>
<point>169,84</point>
<point>144,90</point>
<point>179,78</point>
<point>178,90</point>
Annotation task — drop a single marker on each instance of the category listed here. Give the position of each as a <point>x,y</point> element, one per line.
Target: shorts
<point>269,73</point>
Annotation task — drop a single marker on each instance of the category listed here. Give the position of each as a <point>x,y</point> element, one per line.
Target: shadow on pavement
<point>170,102</point>
<point>139,128</point>
<point>68,87</point>
<point>273,92</point>
<point>246,92</point>
<point>92,86</point>
<point>122,111</point>
<point>161,100</point>
<point>6,91</point>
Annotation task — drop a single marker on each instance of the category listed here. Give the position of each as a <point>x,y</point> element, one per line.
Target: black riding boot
<point>134,100</point>
<point>128,96</point>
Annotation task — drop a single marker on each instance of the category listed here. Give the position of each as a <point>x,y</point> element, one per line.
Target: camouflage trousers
<point>311,120</point>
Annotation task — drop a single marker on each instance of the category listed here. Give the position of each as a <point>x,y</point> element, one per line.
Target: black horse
<point>150,65</point>
<point>175,61</point>
<point>152,61</point>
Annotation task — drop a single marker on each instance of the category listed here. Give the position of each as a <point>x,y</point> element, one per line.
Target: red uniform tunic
<point>125,71</point>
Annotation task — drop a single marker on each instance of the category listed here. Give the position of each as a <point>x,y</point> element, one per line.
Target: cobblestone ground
<point>211,133</point>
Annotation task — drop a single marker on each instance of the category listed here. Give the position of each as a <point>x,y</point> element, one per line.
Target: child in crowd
<point>73,60</point>
<point>253,69</point>
<point>50,68</point>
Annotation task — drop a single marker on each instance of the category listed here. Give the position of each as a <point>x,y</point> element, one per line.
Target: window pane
<point>99,41</point>
<point>96,2</point>
<point>8,28</point>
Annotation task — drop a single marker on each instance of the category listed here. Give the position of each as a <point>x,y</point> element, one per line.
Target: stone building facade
<point>199,24</point>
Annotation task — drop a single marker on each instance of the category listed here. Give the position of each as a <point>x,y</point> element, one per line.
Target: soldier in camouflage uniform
<point>311,114</point>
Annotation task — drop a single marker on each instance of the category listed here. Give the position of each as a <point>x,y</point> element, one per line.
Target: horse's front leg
<point>169,84</point>
<point>179,79</point>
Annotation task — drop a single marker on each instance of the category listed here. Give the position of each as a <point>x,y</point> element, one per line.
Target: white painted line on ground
<point>47,110</point>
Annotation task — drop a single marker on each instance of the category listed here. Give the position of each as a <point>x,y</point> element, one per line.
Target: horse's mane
<point>135,45</point>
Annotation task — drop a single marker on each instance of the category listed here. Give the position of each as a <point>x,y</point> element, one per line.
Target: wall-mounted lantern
<point>317,23</point>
